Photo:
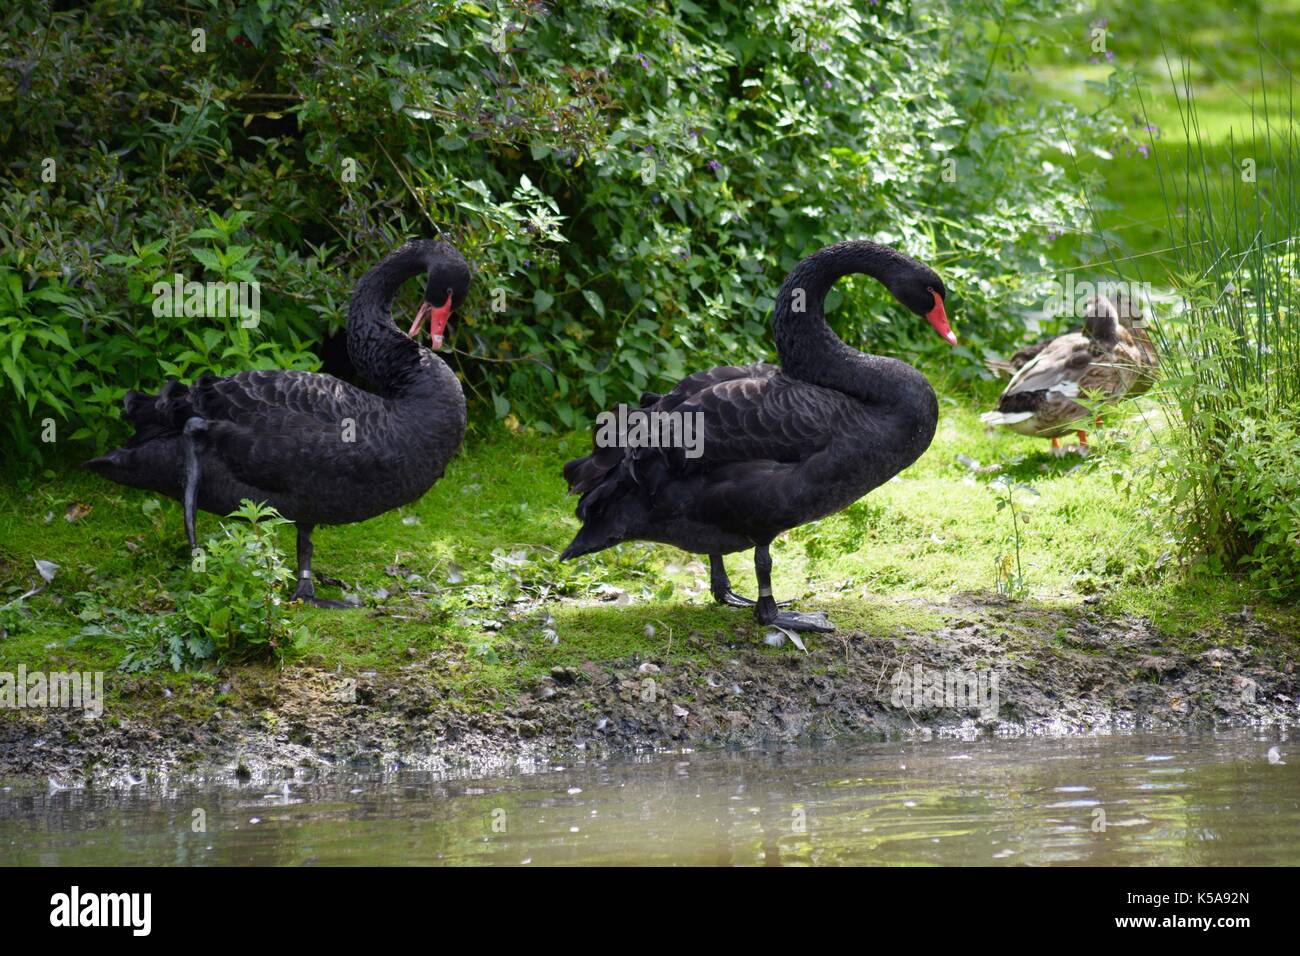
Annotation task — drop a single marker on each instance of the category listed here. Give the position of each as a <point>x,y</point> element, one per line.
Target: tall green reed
<point>1231,360</point>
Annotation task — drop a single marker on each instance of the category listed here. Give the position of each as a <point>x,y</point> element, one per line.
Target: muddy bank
<point>993,668</point>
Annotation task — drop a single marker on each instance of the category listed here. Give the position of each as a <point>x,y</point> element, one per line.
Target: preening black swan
<point>319,450</point>
<point>782,445</point>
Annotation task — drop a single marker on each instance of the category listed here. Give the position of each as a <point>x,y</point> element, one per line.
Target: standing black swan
<point>782,445</point>
<point>319,450</point>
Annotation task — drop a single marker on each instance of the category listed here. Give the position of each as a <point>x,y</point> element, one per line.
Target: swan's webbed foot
<point>767,614</point>
<point>766,610</point>
<point>732,599</point>
<point>720,585</point>
<point>306,593</point>
<point>328,581</point>
<point>327,604</point>
<point>306,590</point>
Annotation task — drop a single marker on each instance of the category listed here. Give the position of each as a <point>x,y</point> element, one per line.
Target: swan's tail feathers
<point>106,465</point>
<point>607,511</point>
<point>150,458</point>
<point>585,474</point>
<point>153,466</point>
<point>157,416</point>
<point>582,474</point>
<point>601,527</point>
<point>587,541</point>
<point>1005,418</point>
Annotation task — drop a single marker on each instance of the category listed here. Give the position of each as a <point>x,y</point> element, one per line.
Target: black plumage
<point>782,445</point>
<point>319,450</point>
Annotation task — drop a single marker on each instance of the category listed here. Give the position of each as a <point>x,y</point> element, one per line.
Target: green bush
<point>1258,477</point>
<point>631,179</point>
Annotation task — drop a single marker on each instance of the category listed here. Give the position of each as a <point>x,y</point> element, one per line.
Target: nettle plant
<point>632,181</point>
<point>233,610</point>
<point>1013,498</point>
<point>237,608</point>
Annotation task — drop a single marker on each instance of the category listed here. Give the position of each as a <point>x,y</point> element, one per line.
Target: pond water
<point>1139,799</point>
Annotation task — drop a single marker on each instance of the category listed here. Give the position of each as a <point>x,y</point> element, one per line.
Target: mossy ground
<point>469,572</point>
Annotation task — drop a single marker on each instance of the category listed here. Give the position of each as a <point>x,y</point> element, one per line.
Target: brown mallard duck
<point>1110,356</point>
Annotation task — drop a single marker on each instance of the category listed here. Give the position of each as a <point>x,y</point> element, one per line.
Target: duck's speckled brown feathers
<point>1111,358</point>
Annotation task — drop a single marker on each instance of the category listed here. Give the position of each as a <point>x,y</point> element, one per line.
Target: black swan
<point>319,450</point>
<point>782,445</point>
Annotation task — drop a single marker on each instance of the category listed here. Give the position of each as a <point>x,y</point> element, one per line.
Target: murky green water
<point>1102,800</point>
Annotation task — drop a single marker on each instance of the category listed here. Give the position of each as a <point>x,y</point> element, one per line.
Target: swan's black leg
<point>306,591</point>
<point>720,584</point>
<point>190,439</point>
<point>766,610</point>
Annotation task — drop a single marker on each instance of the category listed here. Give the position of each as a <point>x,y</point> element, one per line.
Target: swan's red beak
<point>939,319</point>
<point>438,316</point>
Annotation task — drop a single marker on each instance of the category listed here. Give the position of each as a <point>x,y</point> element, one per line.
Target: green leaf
<point>208,259</point>
<point>15,375</point>
<point>219,621</point>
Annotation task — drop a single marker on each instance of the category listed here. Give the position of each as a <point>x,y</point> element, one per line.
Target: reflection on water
<point>1209,799</point>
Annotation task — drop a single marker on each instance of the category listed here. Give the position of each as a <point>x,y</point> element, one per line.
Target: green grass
<point>1229,69</point>
<point>887,566</point>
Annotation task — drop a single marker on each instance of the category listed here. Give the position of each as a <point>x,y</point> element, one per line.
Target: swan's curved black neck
<point>390,360</point>
<point>808,348</point>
